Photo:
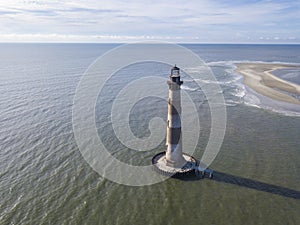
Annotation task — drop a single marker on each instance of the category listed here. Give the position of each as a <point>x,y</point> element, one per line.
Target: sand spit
<point>259,77</point>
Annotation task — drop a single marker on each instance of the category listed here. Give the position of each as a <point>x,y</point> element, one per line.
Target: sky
<point>123,21</point>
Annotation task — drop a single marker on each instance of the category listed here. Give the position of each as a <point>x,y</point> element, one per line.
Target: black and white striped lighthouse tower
<point>173,162</point>
<point>174,157</point>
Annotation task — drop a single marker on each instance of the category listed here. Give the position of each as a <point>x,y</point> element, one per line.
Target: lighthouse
<point>173,162</point>
<point>174,157</point>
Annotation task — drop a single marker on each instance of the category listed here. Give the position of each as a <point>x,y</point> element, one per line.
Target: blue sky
<point>198,21</point>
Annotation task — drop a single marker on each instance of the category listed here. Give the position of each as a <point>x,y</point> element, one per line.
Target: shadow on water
<point>249,183</point>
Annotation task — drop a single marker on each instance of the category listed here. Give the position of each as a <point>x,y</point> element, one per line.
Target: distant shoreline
<point>259,77</point>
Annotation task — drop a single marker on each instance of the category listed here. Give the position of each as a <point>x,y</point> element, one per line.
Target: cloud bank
<point>206,21</point>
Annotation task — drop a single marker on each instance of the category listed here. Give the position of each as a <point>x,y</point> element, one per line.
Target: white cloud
<point>83,38</point>
<point>206,20</point>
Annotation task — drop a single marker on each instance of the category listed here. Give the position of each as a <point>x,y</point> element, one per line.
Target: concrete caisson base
<point>161,166</point>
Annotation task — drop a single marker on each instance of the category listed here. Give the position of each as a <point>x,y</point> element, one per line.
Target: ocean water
<point>45,180</point>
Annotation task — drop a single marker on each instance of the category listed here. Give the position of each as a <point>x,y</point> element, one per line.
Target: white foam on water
<point>185,87</point>
<point>230,102</point>
<point>231,63</point>
<point>252,100</point>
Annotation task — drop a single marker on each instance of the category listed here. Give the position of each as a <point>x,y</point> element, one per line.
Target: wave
<point>222,82</point>
<point>231,63</point>
<point>187,88</point>
<point>230,102</point>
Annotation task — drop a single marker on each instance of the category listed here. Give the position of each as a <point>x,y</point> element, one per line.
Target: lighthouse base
<point>161,165</point>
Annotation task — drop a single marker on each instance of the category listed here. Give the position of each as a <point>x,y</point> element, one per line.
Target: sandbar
<point>259,77</point>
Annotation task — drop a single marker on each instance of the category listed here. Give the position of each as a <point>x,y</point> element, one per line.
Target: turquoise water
<point>45,180</point>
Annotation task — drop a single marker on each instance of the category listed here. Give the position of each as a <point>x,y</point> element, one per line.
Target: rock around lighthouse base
<point>161,166</point>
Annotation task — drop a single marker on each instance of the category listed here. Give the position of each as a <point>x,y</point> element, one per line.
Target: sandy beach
<point>259,77</point>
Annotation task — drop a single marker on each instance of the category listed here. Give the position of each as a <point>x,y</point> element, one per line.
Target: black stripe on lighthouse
<point>174,135</point>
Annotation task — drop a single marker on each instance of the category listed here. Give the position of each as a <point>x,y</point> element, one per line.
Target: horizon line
<point>147,42</point>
